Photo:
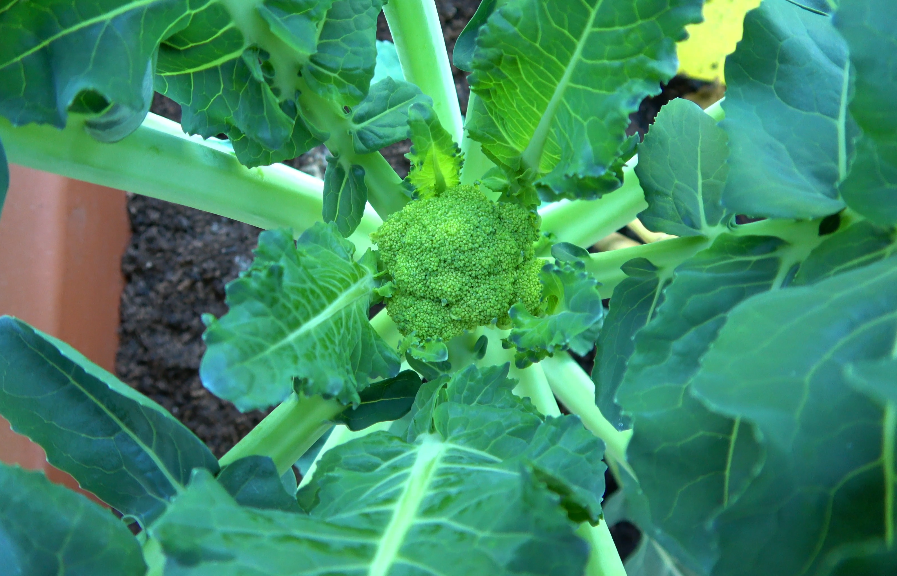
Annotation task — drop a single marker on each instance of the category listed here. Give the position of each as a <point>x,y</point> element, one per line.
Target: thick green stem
<point>287,432</point>
<point>476,164</point>
<point>417,34</point>
<point>603,558</point>
<point>605,266</point>
<point>534,385</point>
<point>160,161</point>
<point>573,387</point>
<point>584,223</point>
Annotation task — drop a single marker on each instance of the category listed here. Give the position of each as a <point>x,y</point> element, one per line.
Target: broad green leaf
<point>703,54</point>
<point>870,29</point>
<point>650,559</point>
<point>296,22</point>
<point>383,401</point>
<point>299,313</point>
<point>556,87</point>
<point>345,195</point>
<point>253,481</point>
<point>343,65</point>
<point>851,247</point>
<point>55,56</point>
<point>435,158</point>
<point>382,117</point>
<point>49,529</point>
<point>4,178</point>
<point>573,315</point>
<point>465,45</point>
<point>682,169</point>
<point>790,136</point>
<point>388,65</point>
<point>692,462</point>
<point>633,303</point>
<point>826,478</point>
<point>874,559</point>
<point>132,454</point>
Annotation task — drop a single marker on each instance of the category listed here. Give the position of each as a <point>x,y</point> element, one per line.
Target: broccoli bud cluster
<point>458,261</point>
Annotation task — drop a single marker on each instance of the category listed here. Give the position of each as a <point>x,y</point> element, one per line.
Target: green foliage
<point>77,538</point>
<point>345,195</point>
<point>435,158</point>
<point>253,482</point>
<point>458,261</point>
<point>299,314</point>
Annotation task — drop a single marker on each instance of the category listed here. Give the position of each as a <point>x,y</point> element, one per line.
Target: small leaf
<point>435,158</point>
<point>382,117</point>
<point>253,481</point>
<point>789,135</point>
<point>296,22</point>
<point>857,245</point>
<point>382,401</point>
<point>703,54</point>
<point>345,195</point>
<point>49,529</point>
<point>462,55</point>
<point>122,447</point>
<point>573,316</point>
<point>682,169</point>
<point>388,65</point>
<point>566,252</point>
<point>299,312</point>
<point>870,27</point>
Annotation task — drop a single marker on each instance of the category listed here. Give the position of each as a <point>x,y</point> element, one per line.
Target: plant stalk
<point>160,161</point>
<point>603,558</point>
<point>605,266</point>
<point>573,387</point>
<point>417,34</point>
<point>288,431</point>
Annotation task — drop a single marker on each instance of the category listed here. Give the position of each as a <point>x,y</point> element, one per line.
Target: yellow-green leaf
<point>703,55</point>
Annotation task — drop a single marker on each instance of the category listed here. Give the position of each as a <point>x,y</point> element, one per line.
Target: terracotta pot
<point>61,243</point>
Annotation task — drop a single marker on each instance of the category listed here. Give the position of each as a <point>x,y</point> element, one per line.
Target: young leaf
<point>870,27</point>
<point>633,304</point>
<point>49,529</point>
<point>129,452</point>
<point>852,247</point>
<point>556,89</point>
<point>296,22</point>
<point>826,480</point>
<point>790,136</point>
<point>300,312</point>
<point>573,315</point>
<point>345,195</point>
<point>682,169</point>
<point>253,481</point>
<point>54,56</point>
<point>462,55</point>
<point>383,401</point>
<point>435,158</point>
<point>382,117</point>
<point>690,461</point>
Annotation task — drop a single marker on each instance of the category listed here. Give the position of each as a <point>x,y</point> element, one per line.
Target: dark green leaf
<point>871,559</point>
<point>343,65</point>
<point>55,54</point>
<point>566,252</point>
<point>632,305</point>
<point>382,117</point>
<point>556,87</point>
<point>345,195</point>
<point>304,463</point>
<point>826,479</point>
<point>870,29</point>
<point>48,529</point>
<point>462,55</point>
<point>419,419</point>
<point>690,461</point>
<point>122,447</point>
<point>383,401</point>
<point>573,315</point>
<point>435,158</point>
<point>296,22</point>
<point>4,178</point>
<point>790,136</point>
<point>682,169</point>
<point>851,247</point>
<point>299,312</point>
<point>253,481</point>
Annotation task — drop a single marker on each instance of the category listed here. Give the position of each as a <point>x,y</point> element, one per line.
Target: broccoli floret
<point>458,261</point>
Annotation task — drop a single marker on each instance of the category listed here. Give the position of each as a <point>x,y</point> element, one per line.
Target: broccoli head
<point>458,261</point>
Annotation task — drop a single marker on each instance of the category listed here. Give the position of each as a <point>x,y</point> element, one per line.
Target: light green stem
<point>160,161</point>
<point>534,385</point>
<point>287,432</point>
<point>573,387</point>
<point>584,223</point>
<point>476,164</point>
<point>417,34</point>
<point>603,558</point>
<point>605,266</point>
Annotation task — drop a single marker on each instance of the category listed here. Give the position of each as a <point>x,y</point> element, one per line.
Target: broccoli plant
<point>744,389</point>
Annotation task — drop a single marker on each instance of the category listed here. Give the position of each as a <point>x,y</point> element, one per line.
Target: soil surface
<point>179,261</point>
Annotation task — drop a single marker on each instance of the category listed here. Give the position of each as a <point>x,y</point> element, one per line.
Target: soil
<point>179,261</point>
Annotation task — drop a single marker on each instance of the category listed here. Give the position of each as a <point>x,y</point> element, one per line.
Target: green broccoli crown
<point>458,261</point>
